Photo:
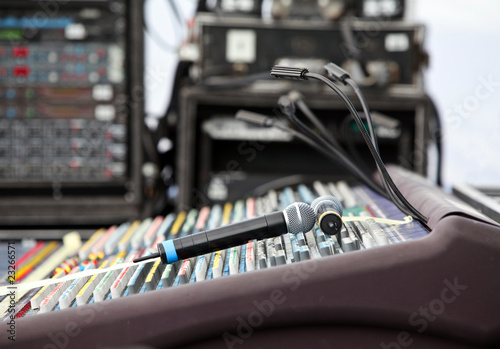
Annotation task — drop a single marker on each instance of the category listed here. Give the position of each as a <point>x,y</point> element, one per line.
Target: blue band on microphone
<point>170,251</point>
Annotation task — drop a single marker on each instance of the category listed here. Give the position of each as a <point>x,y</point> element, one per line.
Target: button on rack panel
<point>129,240</point>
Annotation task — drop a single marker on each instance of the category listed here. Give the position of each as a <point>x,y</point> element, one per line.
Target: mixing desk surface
<point>132,239</point>
<point>295,259</point>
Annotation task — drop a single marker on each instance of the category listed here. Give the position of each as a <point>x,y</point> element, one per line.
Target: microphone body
<point>328,213</point>
<point>297,217</point>
<point>217,239</point>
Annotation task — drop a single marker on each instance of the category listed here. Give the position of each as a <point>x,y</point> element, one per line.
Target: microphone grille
<point>327,199</point>
<point>299,217</point>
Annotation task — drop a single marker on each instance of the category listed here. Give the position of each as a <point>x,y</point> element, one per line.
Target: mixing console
<point>377,277</point>
<point>129,240</point>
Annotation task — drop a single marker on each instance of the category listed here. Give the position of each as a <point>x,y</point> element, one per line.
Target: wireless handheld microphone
<point>297,217</point>
<point>329,214</point>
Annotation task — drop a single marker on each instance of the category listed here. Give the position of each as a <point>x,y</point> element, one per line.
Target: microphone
<point>329,214</point>
<point>297,217</point>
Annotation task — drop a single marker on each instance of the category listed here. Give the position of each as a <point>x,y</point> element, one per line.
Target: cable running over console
<point>303,74</point>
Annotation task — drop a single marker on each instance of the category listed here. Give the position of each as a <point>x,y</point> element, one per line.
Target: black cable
<point>366,110</point>
<point>370,145</point>
<point>342,76</point>
<point>297,98</point>
<point>317,143</point>
<point>339,153</point>
<point>369,121</point>
<point>310,115</point>
<point>361,176</point>
<point>372,134</point>
<point>322,146</point>
<point>303,74</point>
<point>325,149</point>
<point>384,175</point>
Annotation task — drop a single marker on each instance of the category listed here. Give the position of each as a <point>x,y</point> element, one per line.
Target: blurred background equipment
<point>390,52</point>
<point>71,112</point>
<point>220,158</point>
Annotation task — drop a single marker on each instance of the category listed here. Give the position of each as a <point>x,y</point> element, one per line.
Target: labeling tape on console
<point>407,219</point>
<point>36,284</point>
